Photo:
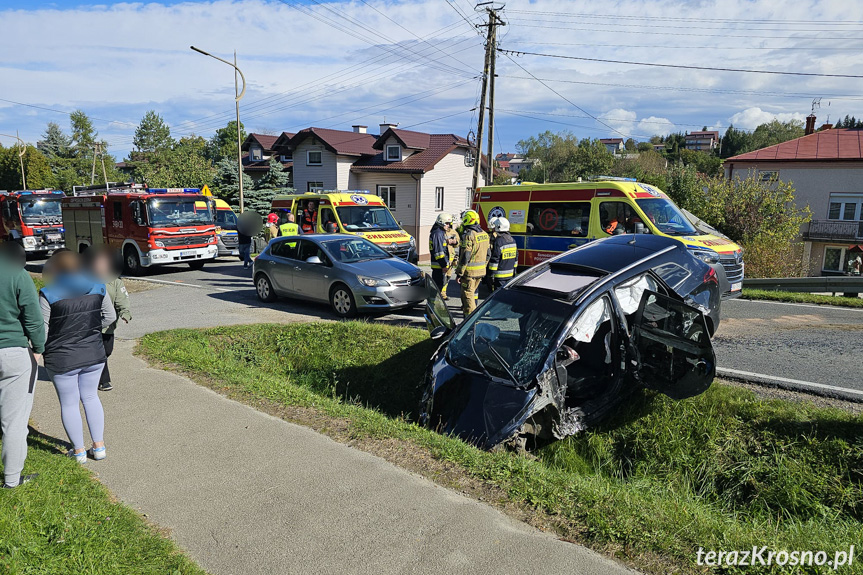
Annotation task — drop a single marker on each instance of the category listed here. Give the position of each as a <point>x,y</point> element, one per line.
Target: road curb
<point>810,387</point>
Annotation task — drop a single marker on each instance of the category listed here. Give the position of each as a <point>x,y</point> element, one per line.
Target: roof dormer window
<point>256,153</point>
<point>394,153</point>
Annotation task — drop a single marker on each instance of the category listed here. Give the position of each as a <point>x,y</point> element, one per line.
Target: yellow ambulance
<point>547,219</point>
<point>357,212</point>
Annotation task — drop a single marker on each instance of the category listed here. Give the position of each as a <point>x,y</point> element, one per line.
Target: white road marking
<point>812,305</point>
<point>175,282</point>
<point>784,380</point>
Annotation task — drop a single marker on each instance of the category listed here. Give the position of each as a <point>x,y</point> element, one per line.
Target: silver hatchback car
<point>349,272</point>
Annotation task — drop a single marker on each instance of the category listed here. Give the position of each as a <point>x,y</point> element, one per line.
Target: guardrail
<point>833,284</point>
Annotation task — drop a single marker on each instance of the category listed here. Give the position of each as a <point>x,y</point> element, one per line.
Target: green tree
<point>223,144</point>
<point>152,134</point>
<point>225,183</point>
<point>685,188</point>
<point>644,147</point>
<point>183,166</point>
<point>735,142</point>
<point>703,162</point>
<point>77,168</point>
<point>761,216</point>
<point>555,153</point>
<point>648,167</point>
<point>630,145</point>
<point>36,169</point>
<point>592,158</point>
<point>54,143</point>
<point>775,132</point>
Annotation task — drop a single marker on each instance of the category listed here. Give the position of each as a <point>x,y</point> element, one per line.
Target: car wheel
<point>131,261</point>
<point>264,289</point>
<point>342,301</point>
<point>197,265</point>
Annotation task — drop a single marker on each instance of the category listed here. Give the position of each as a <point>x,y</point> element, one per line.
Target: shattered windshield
<point>173,212</point>
<point>42,210</point>
<point>667,217</point>
<point>511,337</point>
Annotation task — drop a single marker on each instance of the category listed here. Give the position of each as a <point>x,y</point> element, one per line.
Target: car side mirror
<point>639,228</point>
<point>314,260</point>
<point>438,332</point>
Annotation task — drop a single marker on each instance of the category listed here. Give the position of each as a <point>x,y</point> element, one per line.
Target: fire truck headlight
<point>29,242</point>
<point>159,244</point>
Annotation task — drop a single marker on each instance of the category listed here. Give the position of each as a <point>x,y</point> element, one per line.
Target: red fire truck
<point>32,218</point>
<point>148,226</point>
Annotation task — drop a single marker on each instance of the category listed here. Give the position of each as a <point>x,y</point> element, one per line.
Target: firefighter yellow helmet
<point>469,218</point>
<point>444,218</point>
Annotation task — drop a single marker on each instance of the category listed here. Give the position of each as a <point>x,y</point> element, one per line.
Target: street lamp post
<point>238,96</point>
<point>20,158</point>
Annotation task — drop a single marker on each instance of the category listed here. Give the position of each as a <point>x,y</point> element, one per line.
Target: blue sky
<point>416,63</point>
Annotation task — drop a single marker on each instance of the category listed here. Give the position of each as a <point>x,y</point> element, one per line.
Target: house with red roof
<point>702,140</point>
<point>418,175</point>
<point>259,148</point>
<point>826,168</point>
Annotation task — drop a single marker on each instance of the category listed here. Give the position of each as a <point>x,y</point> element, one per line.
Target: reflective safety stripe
<point>435,265</point>
<point>492,267</point>
<point>475,265</point>
<point>437,255</point>
<point>504,274</point>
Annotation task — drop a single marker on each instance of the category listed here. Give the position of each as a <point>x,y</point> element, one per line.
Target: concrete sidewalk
<point>246,493</point>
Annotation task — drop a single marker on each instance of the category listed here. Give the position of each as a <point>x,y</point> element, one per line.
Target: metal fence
<point>833,284</point>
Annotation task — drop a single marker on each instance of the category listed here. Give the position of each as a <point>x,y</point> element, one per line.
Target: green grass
<point>66,522</point>
<point>724,470</point>
<point>794,297</point>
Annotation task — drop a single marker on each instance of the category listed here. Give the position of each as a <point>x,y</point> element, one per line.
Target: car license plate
<point>187,254</point>
<point>737,286</point>
<point>235,252</point>
<point>53,237</point>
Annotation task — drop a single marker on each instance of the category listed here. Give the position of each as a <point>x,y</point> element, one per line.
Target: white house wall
<point>327,172</point>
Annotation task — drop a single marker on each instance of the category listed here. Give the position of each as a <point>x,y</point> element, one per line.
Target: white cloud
<point>750,118</point>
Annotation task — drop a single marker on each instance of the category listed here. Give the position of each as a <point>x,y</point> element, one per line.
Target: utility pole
<point>493,58</point>
<point>237,97</point>
<point>487,79</point>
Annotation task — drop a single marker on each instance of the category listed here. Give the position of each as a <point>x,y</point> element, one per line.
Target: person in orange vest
<point>310,217</point>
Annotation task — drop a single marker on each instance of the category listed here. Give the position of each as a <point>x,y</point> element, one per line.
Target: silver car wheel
<point>342,301</point>
<point>263,288</point>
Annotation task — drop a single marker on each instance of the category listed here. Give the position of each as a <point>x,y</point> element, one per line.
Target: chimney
<point>810,124</point>
<point>385,127</point>
<point>359,129</point>
<point>825,127</point>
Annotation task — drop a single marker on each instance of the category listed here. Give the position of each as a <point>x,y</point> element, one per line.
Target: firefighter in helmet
<point>472,260</point>
<point>504,253</point>
<point>440,260</point>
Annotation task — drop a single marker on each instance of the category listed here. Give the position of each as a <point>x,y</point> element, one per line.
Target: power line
<point>691,27</point>
<point>698,34</point>
<point>559,95</point>
<point>667,47</point>
<point>692,89</point>
<point>681,66</point>
<point>690,19</point>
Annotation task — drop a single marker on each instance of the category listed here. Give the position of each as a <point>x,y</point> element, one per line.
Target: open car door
<point>439,320</point>
<point>675,354</point>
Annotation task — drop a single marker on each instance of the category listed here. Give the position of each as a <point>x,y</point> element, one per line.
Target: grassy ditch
<point>66,522</point>
<point>723,471</point>
<point>793,297</point>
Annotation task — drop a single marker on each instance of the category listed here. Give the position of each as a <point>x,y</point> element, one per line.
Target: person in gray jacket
<point>76,309</point>
<point>102,263</point>
<point>22,340</point>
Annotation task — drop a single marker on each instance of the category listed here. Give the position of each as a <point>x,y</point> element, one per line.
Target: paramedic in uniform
<point>472,260</point>
<point>310,218</point>
<point>504,252</point>
<point>452,241</point>
<point>438,248</point>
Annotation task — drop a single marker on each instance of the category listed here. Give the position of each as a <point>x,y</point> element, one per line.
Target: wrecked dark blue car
<point>565,342</point>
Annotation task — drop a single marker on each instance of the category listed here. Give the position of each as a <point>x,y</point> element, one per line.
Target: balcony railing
<point>836,230</point>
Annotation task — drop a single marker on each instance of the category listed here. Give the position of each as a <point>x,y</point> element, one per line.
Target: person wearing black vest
<point>76,308</point>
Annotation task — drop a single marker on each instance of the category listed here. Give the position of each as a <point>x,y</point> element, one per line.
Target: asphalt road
<point>819,344</point>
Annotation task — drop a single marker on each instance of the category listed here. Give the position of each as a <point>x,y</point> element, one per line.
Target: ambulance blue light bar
<point>31,192</point>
